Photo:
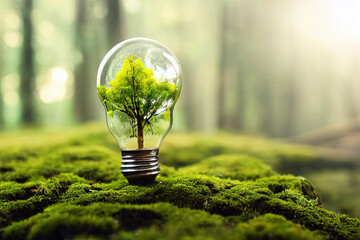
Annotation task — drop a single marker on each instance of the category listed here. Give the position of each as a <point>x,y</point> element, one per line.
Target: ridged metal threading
<point>140,167</point>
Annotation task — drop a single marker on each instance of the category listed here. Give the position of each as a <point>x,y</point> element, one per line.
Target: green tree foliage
<point>136,93</point>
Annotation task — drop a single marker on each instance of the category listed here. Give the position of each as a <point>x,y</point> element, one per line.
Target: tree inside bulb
<point>139,82</point>
<point>137,95</point>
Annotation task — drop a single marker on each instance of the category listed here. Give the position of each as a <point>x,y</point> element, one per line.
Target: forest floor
<point>66,184</point>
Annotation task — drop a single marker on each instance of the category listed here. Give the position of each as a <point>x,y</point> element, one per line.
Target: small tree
<point>136,93</point>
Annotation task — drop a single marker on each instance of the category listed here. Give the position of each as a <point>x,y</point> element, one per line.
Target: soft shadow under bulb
<point>139,82</point>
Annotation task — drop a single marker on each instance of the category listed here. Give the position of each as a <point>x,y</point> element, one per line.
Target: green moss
<point>157,221</point>
<point>86,153</point>
<point>181,150</point>
<point>10,191</point>
<point>270,226</point>
<point>235,166</point>
<point>33,196</point>
<point>69,185</point>
<point>282,195</point>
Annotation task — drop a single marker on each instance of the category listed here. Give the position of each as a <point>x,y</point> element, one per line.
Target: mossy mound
<point>69,186</point>
<point>154,221</point>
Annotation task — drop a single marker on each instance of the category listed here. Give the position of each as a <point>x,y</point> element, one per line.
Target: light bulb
<point>139,82</point>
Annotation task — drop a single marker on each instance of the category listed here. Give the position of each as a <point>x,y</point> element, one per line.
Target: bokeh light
<point>11,98</point>
<point>12,38</point>
<point>55,88</point>
<point>59,75</point>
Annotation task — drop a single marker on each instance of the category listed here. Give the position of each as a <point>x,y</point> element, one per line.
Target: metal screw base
<point>140,167</point>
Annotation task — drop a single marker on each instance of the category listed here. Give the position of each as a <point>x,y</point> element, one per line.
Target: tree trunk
<point>113,22</point>
<point>222,67</point>
<point>140,136</point>
<point>27,66</point>
<point>189,98</point>
<point>2,110</point>
<point>82,98</point>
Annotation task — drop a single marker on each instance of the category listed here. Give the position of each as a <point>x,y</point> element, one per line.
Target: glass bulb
<point>139,82</point>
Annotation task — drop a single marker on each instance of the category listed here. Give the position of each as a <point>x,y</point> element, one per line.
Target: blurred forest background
<point>278,68</point>
<point>281,69</point>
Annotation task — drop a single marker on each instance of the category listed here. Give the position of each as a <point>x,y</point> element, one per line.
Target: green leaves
<point>136,93</point>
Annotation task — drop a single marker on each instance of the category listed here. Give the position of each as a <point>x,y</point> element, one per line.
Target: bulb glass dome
<point>139,82</point>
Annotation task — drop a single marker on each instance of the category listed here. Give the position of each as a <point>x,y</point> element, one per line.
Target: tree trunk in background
<point>240,99</point>
<point>27,66</point>
<point>291,117</point>
<point>2,110</point>
<point>189,98</point>
<point>87,106</point>
<point>222,67</point>
<point>114,22</point>
<point>351,102</point>
<point>83,83</point>
<point>2,114</point>
<point>351,95</point>
<point>241,69</point>
<point>266,73</point>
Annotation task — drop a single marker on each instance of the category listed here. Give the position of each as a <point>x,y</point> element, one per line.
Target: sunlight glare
<point>132,6</point>
<point>10,82</point>
<point>50,93</point>
<point>12,20</point>
<point>55,88</point>
<point>59,75</point>
<point>12,38</point>
<point>345,18</point>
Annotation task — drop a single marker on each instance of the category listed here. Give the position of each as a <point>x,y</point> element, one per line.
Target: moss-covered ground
<point>67,185</point>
